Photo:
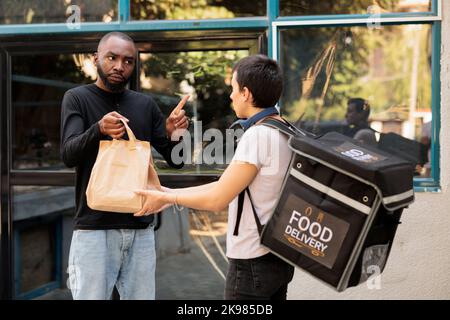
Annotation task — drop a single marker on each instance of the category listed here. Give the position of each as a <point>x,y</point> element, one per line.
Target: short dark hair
<point>263,78</point>
<point>361,106</point>
<point>116,34</point>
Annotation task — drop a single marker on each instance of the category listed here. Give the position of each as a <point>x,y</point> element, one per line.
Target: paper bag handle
<point>131,135</point>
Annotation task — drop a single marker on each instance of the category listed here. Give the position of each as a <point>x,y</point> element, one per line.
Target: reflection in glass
<point>51,11</point>
<point>191,249</point>
<point>42,224</point>
<point>195,9</point>
<point>38,86</point>
<point>206,77</point>
<point>313,7</point>
<point>390,67</point>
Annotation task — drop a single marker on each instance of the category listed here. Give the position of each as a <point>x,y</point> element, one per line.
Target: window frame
<point>251,39</point>
<point>434,18</point>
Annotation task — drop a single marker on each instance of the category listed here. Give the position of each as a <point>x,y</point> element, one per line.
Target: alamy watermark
<point>74,274</point>
<point>74,19</point>
<point>373,282</point>
<point>212,146</point>
<point>374,21</point>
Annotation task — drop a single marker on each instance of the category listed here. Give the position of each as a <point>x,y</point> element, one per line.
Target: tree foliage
<point>373,63</point>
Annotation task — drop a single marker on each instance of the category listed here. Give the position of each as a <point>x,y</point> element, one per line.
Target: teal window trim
<point>153,25</point>
<point>35,293</point>
<point>426,189</point>
<point>124,10</point>
<point>49,286</point>
<point>125,24</point>
<point>210,24</point>
<point>273,9</point>
<point>436,10</point>
<point>436,7</point>
<point>385,16</point>
<point>434,181</point>
<point>34,29</point>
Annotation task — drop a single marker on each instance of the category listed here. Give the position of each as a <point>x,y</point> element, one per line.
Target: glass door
<point>39,190</point>
<point>191,243</point>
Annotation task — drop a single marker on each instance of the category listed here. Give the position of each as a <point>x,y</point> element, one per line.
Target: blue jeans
<point>102,259</point>
<point>263,278</point>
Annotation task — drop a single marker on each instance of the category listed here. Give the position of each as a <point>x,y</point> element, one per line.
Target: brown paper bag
<point>121,167</point>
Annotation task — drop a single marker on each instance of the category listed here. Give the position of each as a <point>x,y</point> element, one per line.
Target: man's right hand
<point>110,125</point>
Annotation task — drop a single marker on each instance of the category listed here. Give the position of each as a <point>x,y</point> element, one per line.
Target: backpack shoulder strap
<point>239,212</point>
<point>284,126</point>
<point>288,129</point>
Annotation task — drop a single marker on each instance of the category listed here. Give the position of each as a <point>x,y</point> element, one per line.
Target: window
<point>197,9</point>
<point>334,51</point>
<point>38,85</point>
<point>206,77</point>
<point>195,255</point>
<point>51,11</point>
<point>42,231</point>
<point>312,7</point>
<point>389,67</point>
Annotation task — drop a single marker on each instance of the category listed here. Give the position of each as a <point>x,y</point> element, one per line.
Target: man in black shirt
<point>111,249</point>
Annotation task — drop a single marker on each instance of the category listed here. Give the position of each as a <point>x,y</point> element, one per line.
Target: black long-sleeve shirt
<point>82,108</point>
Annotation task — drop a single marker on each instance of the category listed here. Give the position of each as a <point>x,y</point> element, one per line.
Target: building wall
<point>418,264</point>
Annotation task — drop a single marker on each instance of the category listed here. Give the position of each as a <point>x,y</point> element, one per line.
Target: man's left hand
<point>177,118</point>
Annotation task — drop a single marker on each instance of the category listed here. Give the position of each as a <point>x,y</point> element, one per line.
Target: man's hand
<point>110,125</point>
<point>177,118</point>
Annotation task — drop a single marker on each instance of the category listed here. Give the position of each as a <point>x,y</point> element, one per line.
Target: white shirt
<point>267,149</point>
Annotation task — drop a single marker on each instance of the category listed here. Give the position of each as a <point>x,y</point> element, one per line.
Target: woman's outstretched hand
<point>155,201</point>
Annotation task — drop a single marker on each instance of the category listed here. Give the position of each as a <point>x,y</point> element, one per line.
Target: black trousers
<point>263,278</point>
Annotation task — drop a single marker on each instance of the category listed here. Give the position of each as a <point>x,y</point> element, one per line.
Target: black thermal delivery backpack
<point>339,208</point>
